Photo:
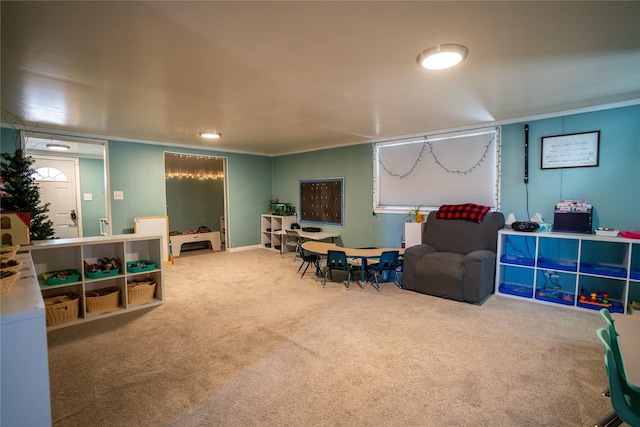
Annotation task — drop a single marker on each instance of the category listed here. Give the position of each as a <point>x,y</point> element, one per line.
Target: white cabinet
<point>413,233</point>
<point>24,383</point>
<point>575,270</point>
<point>272,227</point>
<point>70,254</point>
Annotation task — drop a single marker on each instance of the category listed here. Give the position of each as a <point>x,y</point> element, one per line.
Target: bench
<point>180,239</point>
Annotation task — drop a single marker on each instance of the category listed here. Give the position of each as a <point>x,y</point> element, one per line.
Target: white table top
<point>307,235</point>
<point>323,248</point>
<point>628,328</point>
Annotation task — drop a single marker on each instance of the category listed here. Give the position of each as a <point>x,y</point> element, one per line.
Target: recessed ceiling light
<point>58,147</point>
<point>442,56</point>
<point>211,135</point>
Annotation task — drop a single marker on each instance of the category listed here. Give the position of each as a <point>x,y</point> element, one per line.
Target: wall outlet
<point>118,195</point>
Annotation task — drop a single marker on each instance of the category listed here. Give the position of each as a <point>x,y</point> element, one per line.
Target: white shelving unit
<point>271,227</point>
<point>66,254</point>
<point>566,268</point>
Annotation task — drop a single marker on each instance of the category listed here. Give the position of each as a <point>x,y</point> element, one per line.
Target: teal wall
<point>193,203</point>
<point>92,181</point>
<point>354,164</point>
<point>8,140</point>
<point>613,187</point>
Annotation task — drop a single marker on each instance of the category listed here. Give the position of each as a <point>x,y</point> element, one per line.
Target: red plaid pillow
<point>467,211</point>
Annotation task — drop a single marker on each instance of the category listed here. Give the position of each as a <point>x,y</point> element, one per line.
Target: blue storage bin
<point>516,289</point>
<point>61,277</point>
<point>603,270</point>
<point>555,296</point>
<point>556,264</point>
<point>635,274</point>
<point>615,307</point>
<point>102,274</point>
<point>517,260</point>
<point>140,266</point>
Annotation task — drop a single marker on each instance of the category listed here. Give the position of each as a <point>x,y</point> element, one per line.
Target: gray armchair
<point>456,260</point>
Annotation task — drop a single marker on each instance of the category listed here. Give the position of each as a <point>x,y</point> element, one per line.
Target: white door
<point>57,183</point>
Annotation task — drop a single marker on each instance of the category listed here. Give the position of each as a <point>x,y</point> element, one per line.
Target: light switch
<point>118,195</point>
<point>88,196</point>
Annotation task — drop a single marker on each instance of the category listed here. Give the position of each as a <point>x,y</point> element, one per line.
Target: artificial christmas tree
<point>20,193</point>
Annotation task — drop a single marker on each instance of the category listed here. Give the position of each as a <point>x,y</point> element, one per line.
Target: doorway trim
<point>79,141</point>
<point>76,190</point>
<point>225,187</point>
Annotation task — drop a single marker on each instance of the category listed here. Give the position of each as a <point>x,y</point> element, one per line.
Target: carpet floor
<point>243,340</point>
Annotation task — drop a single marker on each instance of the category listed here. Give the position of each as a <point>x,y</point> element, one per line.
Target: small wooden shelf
<point>272,228</point>
<point>61,254</point>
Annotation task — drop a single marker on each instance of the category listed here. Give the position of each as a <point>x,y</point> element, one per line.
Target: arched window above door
<point>49,174</point>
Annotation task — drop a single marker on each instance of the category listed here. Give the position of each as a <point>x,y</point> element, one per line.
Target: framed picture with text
<point>574,150</point>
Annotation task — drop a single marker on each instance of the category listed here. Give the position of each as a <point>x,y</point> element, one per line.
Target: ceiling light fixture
<point>58,147</point>
<point>211,135</point>
<point>442,56</point>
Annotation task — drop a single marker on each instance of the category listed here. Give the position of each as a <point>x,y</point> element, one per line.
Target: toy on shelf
<point>595,298</point>
<point>554,294</point>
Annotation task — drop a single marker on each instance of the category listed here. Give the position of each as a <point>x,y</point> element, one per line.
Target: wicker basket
<point>6,249</point>
<point>7,281</point>
<point>61,308</point>
<point>10,265</point>
<point>8,252</point>
<point>102,300</point>
<point>140,292</point>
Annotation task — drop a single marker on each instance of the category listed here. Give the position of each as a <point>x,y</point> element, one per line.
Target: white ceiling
<point>282,77</point>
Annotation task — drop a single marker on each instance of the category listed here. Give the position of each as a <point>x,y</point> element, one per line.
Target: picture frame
<point>574,150</point>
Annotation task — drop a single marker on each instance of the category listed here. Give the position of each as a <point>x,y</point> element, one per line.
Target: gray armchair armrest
<point>411,257</point>
<point>478,267</point>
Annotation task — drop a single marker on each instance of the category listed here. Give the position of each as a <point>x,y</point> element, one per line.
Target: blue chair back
<point>613,341</point>
<point>337,260</point>
<point>624,399</point>
<point>388,260</point>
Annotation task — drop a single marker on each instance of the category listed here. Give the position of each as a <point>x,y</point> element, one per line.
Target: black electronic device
<point>525,226</point>
<point>312,229</point>
<point>573,222</point>
<point>573,216</point>
<point>526,154</point>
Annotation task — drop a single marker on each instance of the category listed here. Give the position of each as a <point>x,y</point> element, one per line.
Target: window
<point>49,174</point>
<point>449,168</point>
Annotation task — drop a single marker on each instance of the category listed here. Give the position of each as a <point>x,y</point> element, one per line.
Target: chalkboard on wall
<point>322,201</point>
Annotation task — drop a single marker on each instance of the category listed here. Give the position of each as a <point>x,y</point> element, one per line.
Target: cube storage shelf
<point>272,227</point>
<point>558,268</point>
<point>69,254</point>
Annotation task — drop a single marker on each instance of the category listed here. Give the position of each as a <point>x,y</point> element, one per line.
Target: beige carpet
<point>243,341</point>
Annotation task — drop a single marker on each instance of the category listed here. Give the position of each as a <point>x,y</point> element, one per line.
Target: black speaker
<point>525,226</point>
<point>526,154</point>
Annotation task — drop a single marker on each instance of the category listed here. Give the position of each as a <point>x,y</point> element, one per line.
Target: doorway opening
<point>74,182</point>
<point>196,202</point>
